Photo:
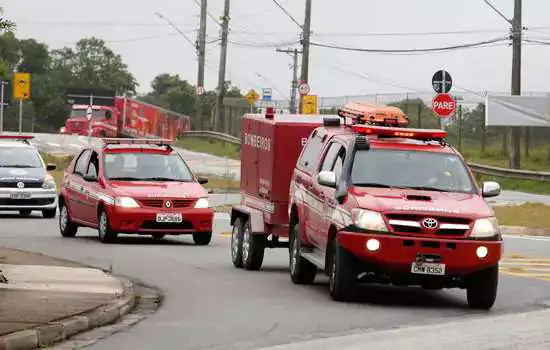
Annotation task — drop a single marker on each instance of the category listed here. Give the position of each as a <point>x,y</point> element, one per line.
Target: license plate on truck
<point>428,269</point>
<point>169,217</point>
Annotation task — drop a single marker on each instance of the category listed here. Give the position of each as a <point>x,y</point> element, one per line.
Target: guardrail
<point>476,168</point>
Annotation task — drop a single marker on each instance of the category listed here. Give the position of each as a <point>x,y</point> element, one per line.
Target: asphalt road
<point>211,305</point>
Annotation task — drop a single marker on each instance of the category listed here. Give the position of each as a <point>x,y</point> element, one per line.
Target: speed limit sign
<point>303,89</point>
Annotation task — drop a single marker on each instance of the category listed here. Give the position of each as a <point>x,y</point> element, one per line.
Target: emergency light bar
<point>24,138</point>
<point>385,131</point>
<point>123,141</point>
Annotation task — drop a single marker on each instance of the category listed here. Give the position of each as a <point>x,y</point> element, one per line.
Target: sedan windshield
<point>411,169</point>
<point>19,157</point>
<point>140,166</point>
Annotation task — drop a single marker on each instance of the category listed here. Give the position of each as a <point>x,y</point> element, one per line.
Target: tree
<point>92,64</point>
<point>5,25</point>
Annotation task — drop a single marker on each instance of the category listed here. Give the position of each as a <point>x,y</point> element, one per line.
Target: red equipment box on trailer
<point>271,144</point>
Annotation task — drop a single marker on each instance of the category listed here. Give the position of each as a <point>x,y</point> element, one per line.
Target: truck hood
<point>141,189</point>
<point>422,202</point>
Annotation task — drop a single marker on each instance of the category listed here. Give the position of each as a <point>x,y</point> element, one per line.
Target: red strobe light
<point>417,134</point>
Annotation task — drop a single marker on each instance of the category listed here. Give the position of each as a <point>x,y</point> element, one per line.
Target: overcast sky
<point>150,46</point>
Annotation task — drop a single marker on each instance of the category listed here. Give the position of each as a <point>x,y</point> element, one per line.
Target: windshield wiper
<point>427,188</point>
<point>122,178</point>
<point>160,178</point>
<point>17,166</point>
<point>374,184</point>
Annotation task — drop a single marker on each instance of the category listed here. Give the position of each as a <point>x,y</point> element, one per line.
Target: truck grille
<point>13,184</point>
<point>153,225</point>
<point>159,203</point>
<point>412,223</point>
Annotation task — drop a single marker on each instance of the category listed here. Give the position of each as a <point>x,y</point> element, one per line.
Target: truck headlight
<point>368,220</point>
<point>126,202</point>
<point>202,203</point>
<point>486,227</point>
<point>49,183</point>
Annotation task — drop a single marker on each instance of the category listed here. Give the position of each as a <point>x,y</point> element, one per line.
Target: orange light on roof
<point>417,134</point>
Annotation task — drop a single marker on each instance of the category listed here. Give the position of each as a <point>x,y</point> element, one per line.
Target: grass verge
<point>533,215</point>
<point>211,146</point>
<point>214,182</point>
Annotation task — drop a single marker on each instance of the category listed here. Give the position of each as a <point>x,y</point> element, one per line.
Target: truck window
<point>330,156</point>
<point>339,163</point>
<point>311,152</point>
<point>410,169</point>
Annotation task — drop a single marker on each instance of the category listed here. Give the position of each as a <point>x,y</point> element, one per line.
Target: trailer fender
<point>255,216</point>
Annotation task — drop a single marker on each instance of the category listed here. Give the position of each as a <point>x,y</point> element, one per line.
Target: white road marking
<point>53,144</point>
<point>532,238</point>
<point>75,145</point>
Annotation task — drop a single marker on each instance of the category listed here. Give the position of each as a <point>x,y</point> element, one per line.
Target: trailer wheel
<point>302,271</point>
<point>253,248</point>
<point>343,284</point>
<point>237,243</point>
<point>482,286</point>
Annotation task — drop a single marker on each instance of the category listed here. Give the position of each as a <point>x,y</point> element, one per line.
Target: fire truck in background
<point>126,117</point>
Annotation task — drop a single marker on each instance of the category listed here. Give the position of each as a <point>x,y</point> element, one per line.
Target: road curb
<point>525,231</point>
<point>54,332</point>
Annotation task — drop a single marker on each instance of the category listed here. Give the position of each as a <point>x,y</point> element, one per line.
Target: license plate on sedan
<point>20,195</point>
<point>428,269</point>
<point>169,217</point>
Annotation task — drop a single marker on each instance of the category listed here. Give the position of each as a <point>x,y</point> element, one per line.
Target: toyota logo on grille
<point>429,223</point>
<point>168,204</point>
<point>20,185</point>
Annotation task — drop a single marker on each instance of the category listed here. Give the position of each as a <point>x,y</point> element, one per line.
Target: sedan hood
<point>143,189</point>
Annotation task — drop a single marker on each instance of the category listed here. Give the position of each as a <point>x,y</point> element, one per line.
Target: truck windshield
<point>81,113</point>
<point>411,169</point>
<point>145,167</point>
<point>18,157</point>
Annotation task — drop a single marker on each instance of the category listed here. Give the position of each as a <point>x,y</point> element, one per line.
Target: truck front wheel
<point>253,248</point>
<point>237,243</point>
<point>301,270</point>
<point>481,289</point>
<point>343,284</point>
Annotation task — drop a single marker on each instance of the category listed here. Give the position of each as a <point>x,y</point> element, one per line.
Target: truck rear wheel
<point>253,248</point>
<point>343,284</point>
<point>481,289</point>
<point>302,271</point>
<point>237,243</point>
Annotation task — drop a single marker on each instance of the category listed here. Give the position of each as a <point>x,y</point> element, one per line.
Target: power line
<point>116,41</point>
<point>288,14</point>
<point>447,48</point>
<point>176,28</point>
<point>209,14</point>
<point>104,24</point>
<point>374,34</point>
<point>537,41</point>
<point>265,45</point>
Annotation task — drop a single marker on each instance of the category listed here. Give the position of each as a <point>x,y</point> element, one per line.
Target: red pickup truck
<point>365,203</point>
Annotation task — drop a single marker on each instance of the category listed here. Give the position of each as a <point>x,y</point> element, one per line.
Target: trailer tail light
<point>416,134</point>
<point>270,113</point>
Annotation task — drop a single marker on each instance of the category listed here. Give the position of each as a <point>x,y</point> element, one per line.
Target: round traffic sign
<point>200,90</point>
<point>303,89</point>
<point>443,105</point>
<point>442,82</point>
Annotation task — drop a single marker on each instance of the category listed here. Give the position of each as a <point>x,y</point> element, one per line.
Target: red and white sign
<point>89,112</point>
<point>199,90</point>
<point>303,89</point>
<point>443,105</point>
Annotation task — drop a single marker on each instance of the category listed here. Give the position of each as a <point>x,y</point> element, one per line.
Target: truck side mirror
<point>202,180</point>
<point>490,189</point>
<point>327,178</point>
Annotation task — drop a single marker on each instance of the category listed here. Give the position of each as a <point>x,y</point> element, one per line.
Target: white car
<point>25,182</point>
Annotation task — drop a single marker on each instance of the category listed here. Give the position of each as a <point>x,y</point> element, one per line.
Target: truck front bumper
<point>32,198</point>
<point>398,253</point>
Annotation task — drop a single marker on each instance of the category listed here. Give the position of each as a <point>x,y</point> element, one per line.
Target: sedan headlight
<point>368,220</point>
<point>486,227</point>
<point>49,183</point>
<point>126,202</point>
<point>202,203</point>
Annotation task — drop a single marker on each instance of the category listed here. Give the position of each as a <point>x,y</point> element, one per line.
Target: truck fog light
<point>482,252</point>
<point>373,244</point>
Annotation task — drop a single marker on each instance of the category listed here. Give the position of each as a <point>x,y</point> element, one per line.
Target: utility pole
<point>219,123</point>
<point>201,48</point>
<point>305,48</point>
<point>515,131</point>
<point>294,85</point>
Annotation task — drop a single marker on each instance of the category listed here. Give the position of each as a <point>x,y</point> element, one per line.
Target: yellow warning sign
<point>252,96</point>
<point>21,86</point>
<point>309,104</point>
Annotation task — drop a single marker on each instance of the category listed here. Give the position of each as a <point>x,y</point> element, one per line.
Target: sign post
<point>89,113</point>
<point>21,91</point>
<point>2,103</point>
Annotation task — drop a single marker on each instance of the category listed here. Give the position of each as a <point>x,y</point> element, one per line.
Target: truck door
<point>324,196</point>
<point>92,189</point>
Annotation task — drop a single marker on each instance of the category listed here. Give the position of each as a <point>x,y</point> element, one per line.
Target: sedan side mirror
<point>202,180</point>
<point>51,167</point>
<point>327,178</point>
<point>490,189</point>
